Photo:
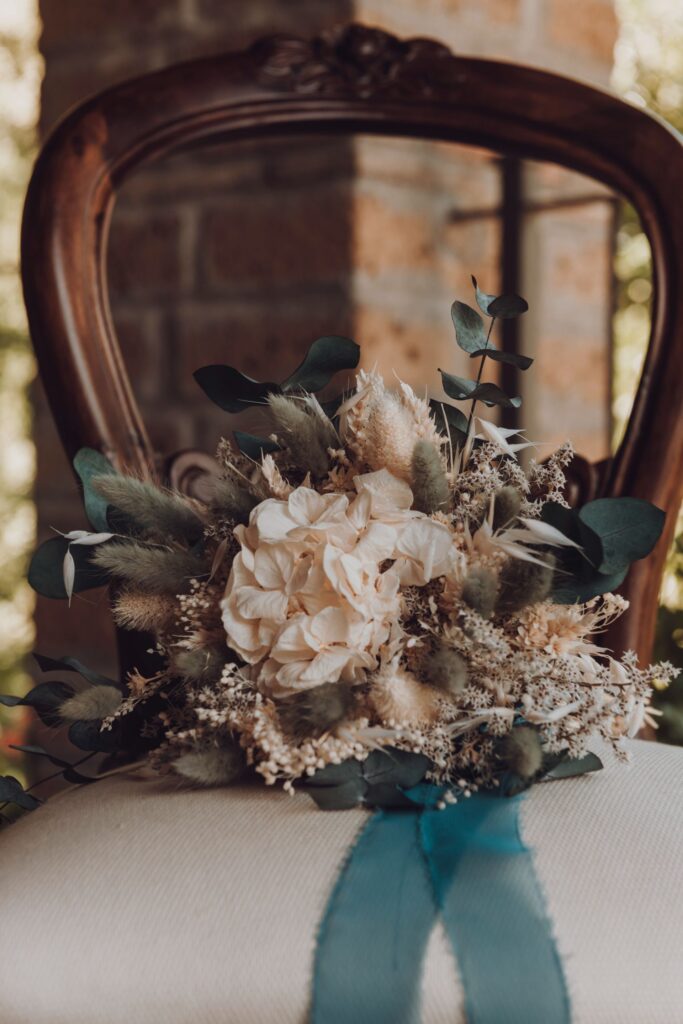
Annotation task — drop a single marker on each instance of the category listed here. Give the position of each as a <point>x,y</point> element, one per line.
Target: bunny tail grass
<point>524,583</point>
<point>303,433</point>
<point>428,480</point>
<point>212,766</point>
<point>156,513</point>
<point>231,501</point>
<point>155,570</point>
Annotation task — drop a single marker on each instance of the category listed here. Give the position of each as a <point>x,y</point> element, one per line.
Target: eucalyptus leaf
<point>628,529</point>
<point>469,327</point>
<point>254,447</point>
<point>88,464</point>
<point>338,798</point>
<point>448,415</point>
<point>45,573</point>
<point>88,736</point>
<point>484,299</point>
<point>586,585</point>
<point>27,748</point>
<point>571,766</point>
<point>325,357</point>
<point>69,664</point>
<point>462,389</point>
<point>11,791</point>
<point>76,778</point>
<point>232,390</point>
<point>507,307</point>
<point>400,767</point>
<point>510,358</point>
<point>46,700</point>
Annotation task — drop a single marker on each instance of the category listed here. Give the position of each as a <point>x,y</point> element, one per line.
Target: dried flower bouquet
<point>377,593</point>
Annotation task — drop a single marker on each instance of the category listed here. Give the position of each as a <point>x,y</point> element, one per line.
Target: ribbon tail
<point>375,929</point>
<point>494,913</point>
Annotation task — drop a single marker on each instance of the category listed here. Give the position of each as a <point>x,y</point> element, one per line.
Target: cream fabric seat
<point>135,902</point>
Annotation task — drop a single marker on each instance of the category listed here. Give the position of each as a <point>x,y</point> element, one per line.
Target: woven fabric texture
<point>135,902</point>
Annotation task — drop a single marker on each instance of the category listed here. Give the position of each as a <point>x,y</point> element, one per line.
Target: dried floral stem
<point>481,370</point>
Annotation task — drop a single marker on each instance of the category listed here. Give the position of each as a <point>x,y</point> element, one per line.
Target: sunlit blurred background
<point>647,70</point>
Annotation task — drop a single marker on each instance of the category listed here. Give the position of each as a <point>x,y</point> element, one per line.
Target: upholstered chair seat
<point>139,902</point>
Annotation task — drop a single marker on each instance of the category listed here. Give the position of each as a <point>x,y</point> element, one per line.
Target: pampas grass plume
<point>92,704</point>
<point>156,513</point>
<point>480,591</point>
<point>135,609</point>
<point>314,711</point>
<point>156,570</point>
<point>507,504</point>
<point>521,751</point>
<point>428,479</point>
<point>524,583</point>
<point>445,669</point>
<point>212,766</point>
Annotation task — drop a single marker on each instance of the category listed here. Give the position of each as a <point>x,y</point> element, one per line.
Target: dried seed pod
<point>445,669</point>
<point>507,503</point>
<point>521,751</point>
<point>523,584</point>
<point>480,591</point>
<point>312,712</point>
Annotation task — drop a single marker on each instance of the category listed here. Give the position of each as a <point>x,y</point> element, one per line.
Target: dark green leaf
<point>511,358</point>
<point>507,307</point>
<point>585,585</point>
<point>89,463</point>
<point>71,775</point>
<point>11,791</point>
<point>469,327</point>
<point>45,572</point>
<point>69,664</point>
<point>484,299</point>
<point>254,447</point>
<point>88,736</point>
<point>490,394</point>
<point>10,701</point>
<point>40,752</point>
<point>628,529</point>
<point>570,766</point>
<point>232,390</point>
<point>512,784</point>
<point>46,699</point>
<point>325,357</point>
<point>338,798</point>
<point>400,767</point>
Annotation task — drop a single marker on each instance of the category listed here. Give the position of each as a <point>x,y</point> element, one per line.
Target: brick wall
<point>249,253</point>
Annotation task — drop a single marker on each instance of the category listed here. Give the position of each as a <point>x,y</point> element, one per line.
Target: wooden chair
<point>352,80</point>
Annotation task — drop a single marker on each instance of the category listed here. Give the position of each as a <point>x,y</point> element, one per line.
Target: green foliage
<point>234,392</point>
<point>89,465</point>
<point>11,791</point>
<point>500,307</point>
<point>312,712</point>
<point>470,334</point>
<point>378,781</point>
<point>428,479</point>
<point>254,447</point>
<point>462,390</point>
<point>46,699</point>
<point>511,358</point>
<point>450,421</point>
<point>46,575</point>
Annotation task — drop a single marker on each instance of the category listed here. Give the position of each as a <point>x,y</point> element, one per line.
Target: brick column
<point>246,253</point>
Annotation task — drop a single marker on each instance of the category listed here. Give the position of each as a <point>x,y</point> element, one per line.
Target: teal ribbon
<point>466,863</point>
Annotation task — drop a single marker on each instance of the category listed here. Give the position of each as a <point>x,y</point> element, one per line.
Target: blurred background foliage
<point>648,71</point>
<point>20,70</point>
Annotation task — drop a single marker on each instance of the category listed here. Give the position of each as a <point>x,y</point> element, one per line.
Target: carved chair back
<point>352,80</point>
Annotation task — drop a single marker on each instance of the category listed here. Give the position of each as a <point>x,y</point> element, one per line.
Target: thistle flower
<point>158,570</point>
<point>508,502</point>
<point>521,751</point>
<point>480,591</point>
<point>158,514</point>
<point>428,479</point>
<point>313,712</point>
<point>212,766</point>
<point>445,669</point>
<point>523,584</point>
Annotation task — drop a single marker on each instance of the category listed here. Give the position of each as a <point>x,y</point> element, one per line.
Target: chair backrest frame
<point>351,80</point>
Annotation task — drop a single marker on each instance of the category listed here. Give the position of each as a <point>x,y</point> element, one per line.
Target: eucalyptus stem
<point>49,778</point>
<point>481,370</point>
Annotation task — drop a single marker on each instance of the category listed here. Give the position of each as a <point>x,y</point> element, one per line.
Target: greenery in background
<point>649,72</point>
<point>19,88</point>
